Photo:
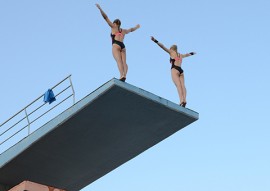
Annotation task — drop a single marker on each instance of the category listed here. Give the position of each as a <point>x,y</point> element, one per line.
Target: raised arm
<point>104,16</point>
<point>132,29</point>
<point>160,45</point>
<point>188,54</point>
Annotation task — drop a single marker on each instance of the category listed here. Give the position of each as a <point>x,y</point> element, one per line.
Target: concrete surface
<point>107,128</point>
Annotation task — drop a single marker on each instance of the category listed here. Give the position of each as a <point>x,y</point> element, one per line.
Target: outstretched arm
<point>160,45</point>
<point>132,29</point>
<point>188,54</point>
<point>104,16</point>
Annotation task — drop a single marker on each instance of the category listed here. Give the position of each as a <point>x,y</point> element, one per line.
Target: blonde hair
<point>174,47</point>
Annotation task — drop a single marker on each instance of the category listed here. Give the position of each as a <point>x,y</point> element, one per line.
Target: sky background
<point>41,42</point>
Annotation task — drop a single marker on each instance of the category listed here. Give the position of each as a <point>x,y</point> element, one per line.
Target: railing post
<point>27,121</point>
<point>72,89</point>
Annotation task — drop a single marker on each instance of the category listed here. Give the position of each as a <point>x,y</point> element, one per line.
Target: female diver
<point>118,47</point>
<point>176,70</point>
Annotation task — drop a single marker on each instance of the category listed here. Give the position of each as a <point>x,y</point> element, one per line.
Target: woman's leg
<point>116,50</point>
<point>125,66</point>
<point>176,80</point>
<point>183,87</point>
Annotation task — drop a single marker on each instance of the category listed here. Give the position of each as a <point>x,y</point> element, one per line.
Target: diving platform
<point>97,134</point>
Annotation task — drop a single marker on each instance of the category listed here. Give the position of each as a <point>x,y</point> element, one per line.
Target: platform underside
<point>107,128</point>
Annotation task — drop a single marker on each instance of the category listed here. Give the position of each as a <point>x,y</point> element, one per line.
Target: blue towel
<point>49,96</point>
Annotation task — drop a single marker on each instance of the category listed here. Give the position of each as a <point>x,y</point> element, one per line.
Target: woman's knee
<point>176,82</point>
<point>178,85</point>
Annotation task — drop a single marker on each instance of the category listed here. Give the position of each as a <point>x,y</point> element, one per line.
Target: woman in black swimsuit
<point>176,70</point>
<point>118,47</point>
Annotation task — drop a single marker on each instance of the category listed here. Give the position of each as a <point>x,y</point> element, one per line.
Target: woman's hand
<point>153,39</point>
<point>98,6</point>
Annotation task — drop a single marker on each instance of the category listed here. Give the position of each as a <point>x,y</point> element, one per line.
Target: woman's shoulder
<point>173,53</point>
<point>114,30</point>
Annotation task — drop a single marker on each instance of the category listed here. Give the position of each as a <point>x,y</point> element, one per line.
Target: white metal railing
<point>7,132</point>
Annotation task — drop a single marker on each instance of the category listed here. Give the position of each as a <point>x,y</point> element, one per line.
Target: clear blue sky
<point>41,42</point>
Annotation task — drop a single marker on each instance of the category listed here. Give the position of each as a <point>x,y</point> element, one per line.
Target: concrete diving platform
<point>102,131</point>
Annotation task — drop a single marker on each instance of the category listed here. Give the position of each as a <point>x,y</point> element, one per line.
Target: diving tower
<point>97,134</point>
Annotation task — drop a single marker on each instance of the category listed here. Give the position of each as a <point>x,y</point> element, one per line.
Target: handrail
<point>29,122</point>
<point>33,101</point>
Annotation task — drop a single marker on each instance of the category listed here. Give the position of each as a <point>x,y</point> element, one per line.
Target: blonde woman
<point>176,70</point>
<point>118,47</point>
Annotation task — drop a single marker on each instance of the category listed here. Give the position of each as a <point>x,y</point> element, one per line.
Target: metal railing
<point>24,115</point>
